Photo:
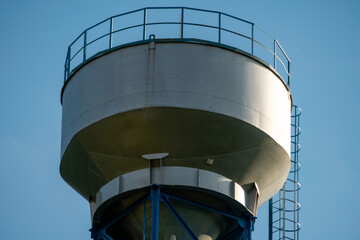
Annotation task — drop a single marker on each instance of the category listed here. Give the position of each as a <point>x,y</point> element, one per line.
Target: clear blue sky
<point>321,37</point>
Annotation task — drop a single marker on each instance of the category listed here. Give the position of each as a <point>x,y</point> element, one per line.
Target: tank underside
<point>239,150</point>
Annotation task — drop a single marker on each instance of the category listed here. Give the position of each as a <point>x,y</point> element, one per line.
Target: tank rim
<point>172,40</point>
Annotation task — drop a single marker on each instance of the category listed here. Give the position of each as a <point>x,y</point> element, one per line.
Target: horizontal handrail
<point>81,44</point>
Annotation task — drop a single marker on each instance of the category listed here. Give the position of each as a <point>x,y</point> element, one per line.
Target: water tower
<point>175,124</point>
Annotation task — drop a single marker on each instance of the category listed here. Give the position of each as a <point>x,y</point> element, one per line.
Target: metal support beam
<point>179,218</point>
<point>242,232</point>
<point>155,198</point>
<point>270,218</point>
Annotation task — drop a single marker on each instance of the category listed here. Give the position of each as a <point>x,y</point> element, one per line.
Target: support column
<point>270,218</point>
<point>155,198</point>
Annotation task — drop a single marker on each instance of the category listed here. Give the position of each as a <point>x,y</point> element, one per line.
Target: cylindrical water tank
<point>220,116</point>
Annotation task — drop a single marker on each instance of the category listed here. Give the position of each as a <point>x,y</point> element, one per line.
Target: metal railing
<point>284,208</point>
<point>225,31</point>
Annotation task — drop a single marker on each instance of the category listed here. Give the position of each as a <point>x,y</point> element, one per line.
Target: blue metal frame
<point>284,221</point>
<point>82,39</point>
<point>156,195</point>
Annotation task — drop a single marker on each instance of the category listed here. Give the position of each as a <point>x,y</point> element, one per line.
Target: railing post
<point>111,33</point>
<point>289,73</point>
<point>182,24</point>
<point>65,71</point>
<point>144,24</point>
<point>67,67</point>
<point>84,48</point>
<point>252,39</point>
<point>275,54</point>
<point>219,39</point>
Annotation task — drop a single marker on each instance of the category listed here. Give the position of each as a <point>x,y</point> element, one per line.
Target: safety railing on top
<point>181,23</point>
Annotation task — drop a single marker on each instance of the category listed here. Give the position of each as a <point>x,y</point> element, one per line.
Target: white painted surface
<point>184,75</point>
<point>177,176</point>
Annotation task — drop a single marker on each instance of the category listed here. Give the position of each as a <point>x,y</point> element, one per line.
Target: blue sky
<point>321,38</point>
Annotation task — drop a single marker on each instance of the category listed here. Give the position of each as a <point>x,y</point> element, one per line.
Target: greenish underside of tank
<point>114,146</point>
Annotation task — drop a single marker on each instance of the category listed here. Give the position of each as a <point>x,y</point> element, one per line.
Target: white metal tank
<point>201,120</point>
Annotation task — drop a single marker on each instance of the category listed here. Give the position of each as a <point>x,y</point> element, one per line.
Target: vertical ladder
<point>284,207</point>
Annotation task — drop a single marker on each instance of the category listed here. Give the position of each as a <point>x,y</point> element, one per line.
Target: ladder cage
<point>284,207</point>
